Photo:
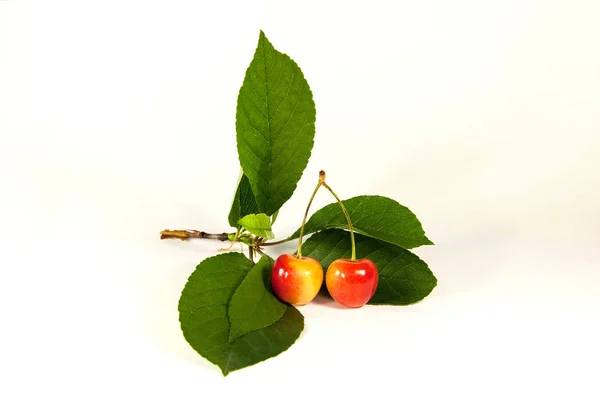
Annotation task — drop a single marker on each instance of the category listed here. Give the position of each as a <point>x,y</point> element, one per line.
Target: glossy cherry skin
<point>352,283</point>
<point>296,281</point>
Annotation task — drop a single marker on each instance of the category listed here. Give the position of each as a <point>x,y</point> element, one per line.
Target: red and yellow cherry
<point>352,283</point>
<point>296,280</point>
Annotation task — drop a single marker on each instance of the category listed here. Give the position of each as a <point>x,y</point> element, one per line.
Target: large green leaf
<point>376,216</point>
<point>275,124</point>
<point>203,308</point>
<point>258,224</point>
<point>244,202</point>
<point>253,305</point>
<point>403,277</point>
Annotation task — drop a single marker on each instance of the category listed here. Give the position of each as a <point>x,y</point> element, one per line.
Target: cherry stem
<point>347,218</point>
<point>321,182</point>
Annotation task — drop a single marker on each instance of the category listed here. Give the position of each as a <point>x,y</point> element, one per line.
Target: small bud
<point>322,176</point>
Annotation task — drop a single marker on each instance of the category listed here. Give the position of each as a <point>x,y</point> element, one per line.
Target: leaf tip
<point>264,41</point>
<point>262,36</point>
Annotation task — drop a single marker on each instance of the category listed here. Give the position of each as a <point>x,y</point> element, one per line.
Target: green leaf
<point>275,124</point>
<point>203,316</point>
<point>403,277</point>
<point>244,202</point>
<point>376,216</point>
<point>253,305</point>
<point>274,217</point>
<point>258,224</point>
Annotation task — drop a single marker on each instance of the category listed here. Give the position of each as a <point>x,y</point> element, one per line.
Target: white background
<point>117,120</point>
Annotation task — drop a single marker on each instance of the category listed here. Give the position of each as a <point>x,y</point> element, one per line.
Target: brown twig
<point>185,234</point>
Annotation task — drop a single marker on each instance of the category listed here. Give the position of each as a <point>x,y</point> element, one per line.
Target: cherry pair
<point>298,280</point>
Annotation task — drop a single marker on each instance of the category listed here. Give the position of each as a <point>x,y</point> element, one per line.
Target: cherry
<point>296,280</point>
<point>352,283</point>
